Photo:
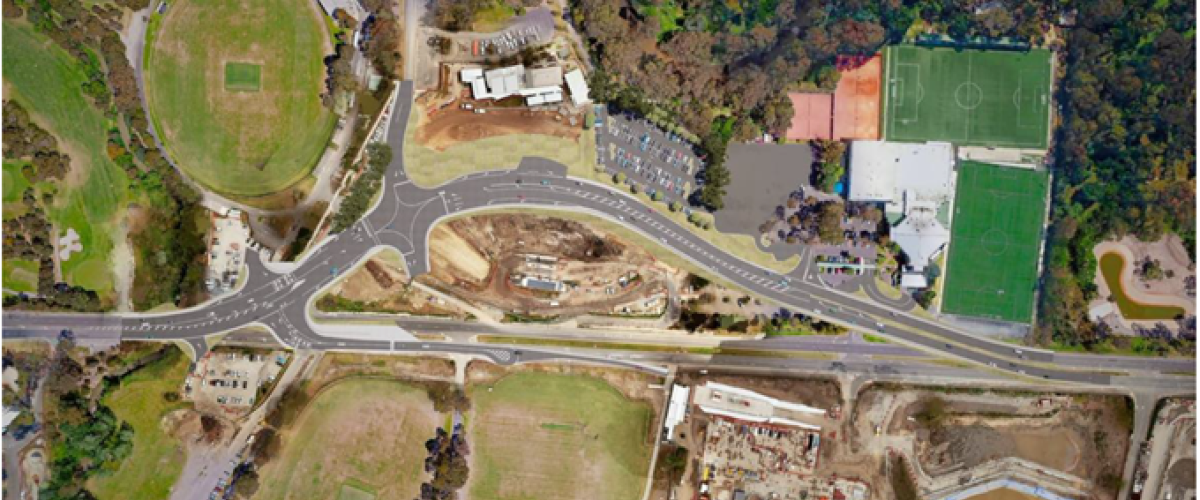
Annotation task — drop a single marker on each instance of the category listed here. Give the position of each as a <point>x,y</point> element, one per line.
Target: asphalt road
<point>277,295</point>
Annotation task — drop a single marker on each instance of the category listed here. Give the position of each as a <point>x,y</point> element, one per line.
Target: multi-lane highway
<point>278,295</point>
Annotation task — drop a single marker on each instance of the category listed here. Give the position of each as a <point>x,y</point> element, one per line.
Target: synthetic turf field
<point>995,238</point>
<point>972,97</point>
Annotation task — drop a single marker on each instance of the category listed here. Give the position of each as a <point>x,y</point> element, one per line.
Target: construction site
<point>962,443</point>
<point>471,103</point>
<point>1166,466</point>
<point>778,438</point>
<point>538,266</point>
<point>462,119</point>
<point>381,285</point>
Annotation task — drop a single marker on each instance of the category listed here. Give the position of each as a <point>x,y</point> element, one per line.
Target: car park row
<point>653,160</point>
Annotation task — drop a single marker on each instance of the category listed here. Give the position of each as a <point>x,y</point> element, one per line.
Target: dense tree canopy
<point>1125,161</point>
<point>1124,156</point>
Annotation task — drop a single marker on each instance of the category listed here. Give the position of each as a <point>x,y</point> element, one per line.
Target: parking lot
<point>229,382</point>
<point>654,160</point>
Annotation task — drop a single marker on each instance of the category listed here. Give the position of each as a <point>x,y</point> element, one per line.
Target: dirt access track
<point>442,128</point>
<point>477,258</point>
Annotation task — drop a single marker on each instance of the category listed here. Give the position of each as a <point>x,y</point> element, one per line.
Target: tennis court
<point>969,97</point>
<point>995,241</point>
<point>856,101</point>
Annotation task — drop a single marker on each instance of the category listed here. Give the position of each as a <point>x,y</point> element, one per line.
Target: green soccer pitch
<point>995,241</point>
<point>970,98</point>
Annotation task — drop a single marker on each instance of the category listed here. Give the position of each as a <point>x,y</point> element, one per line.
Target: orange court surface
<point>856,101</point>
<point>812,117</point>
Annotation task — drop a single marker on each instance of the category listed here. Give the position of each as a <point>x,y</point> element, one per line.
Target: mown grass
<point>523,449</point>
<point>240,143</point>
<point>368,433</point>
<point>157,459</point>
<point>625,346</point>
<point>20,275</point>
<point>48,81</point>
<point>493,17</point>
<point>15,182</point>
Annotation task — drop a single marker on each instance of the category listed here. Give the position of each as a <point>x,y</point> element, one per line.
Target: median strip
<point>623,346</point>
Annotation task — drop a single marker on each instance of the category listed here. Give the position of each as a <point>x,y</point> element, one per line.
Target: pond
<point>1111,266</point>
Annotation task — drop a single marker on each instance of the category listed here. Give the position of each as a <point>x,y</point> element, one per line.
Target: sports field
<point>996,235</point>
<point>234,92</point>
<point>358,439</point>
<point>972,97</point>
<point>575,436</point>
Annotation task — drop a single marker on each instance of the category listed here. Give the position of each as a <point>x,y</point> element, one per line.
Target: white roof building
<point>743,404</point>
<point>544,77</point>
<point>10,413</point>
<point>471,74</point>
<point>896,172</point>
<point>922,238</point>
<point>681,395</point>
<point>577,84</point>
<point>537,86</point>
<point>915,180</point>
<point>503,82</point>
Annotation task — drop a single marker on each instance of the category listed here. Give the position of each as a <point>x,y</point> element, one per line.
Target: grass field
<point>971,97</point>
<point>15,184</point>
<point>197,76</point>
<point>20,275</point>
<point>493,17</point>
<point>1111,265</point>
<point>354,492</point>
<point>47,81</point>
<point>995,240</point>
<point>575,436</point>
<point>362,433</point>
<point>157,459</point>
<point>243,77</point>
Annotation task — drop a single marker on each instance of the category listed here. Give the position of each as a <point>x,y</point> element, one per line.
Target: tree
<point>827,164</point>
<point>932,413</point>
<point>830,215</point>
<point>657,196</point>
<point>619,177</point>
<point>676,206</point>
<point>925,297</point>
<point>247,484</point>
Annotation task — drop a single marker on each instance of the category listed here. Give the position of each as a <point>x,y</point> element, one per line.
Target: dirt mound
<point>504,233</point>
<point>1182,472</point>
<point>453,125</point>
<point>380,275</point>
<point>970,445</point>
